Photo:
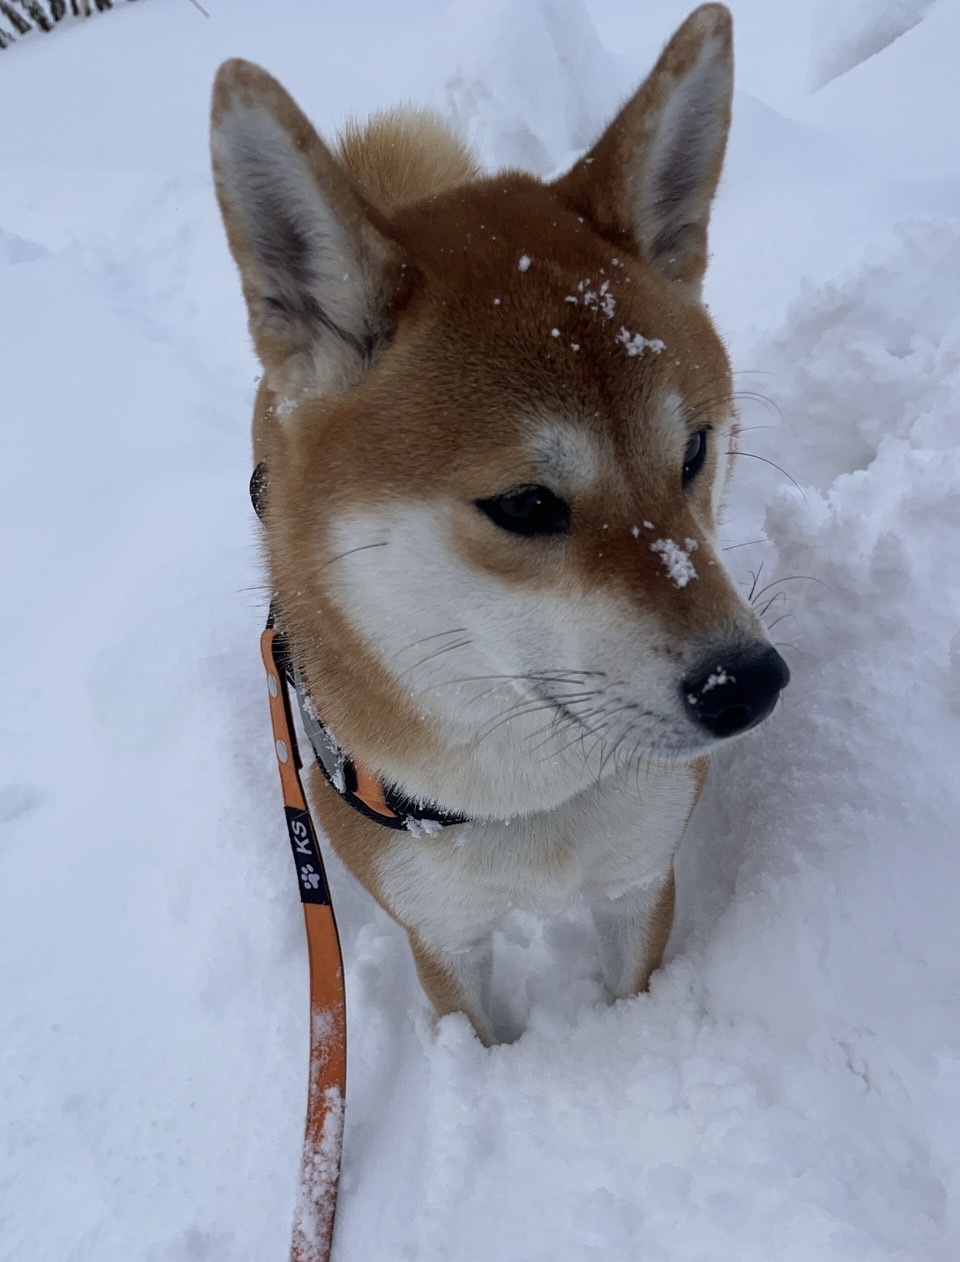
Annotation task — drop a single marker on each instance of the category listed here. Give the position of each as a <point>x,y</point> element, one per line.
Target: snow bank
<point>790,1088</point>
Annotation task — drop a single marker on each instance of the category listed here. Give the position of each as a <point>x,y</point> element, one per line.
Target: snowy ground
<point>790,1088</point>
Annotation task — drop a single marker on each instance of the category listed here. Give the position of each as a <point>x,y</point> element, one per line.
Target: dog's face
<point>497,424</point>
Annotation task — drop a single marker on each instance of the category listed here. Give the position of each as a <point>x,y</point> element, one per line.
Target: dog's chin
<point>665,751</point>
<point>680,752</point>
<point>684,747</point>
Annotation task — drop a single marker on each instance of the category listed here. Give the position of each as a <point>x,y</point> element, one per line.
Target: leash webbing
<point>320,1164</point>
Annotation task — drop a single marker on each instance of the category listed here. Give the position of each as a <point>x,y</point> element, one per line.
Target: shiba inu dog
<point>493,432</point>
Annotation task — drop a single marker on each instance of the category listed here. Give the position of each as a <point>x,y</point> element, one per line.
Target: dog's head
<point>497,423</point>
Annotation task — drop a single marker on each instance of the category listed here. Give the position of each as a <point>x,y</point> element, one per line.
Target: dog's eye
<point>528,510</point>
<point>694,456</point>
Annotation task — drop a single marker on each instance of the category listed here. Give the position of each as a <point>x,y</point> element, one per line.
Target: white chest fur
<point>608,841</point>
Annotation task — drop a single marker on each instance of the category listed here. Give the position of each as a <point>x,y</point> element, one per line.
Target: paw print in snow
<point>309,877</point>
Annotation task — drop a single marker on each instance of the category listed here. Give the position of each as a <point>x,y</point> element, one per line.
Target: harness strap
<point>320,1164</point>
<point>360,787</point>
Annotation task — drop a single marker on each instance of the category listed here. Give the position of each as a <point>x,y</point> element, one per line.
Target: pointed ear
<point>317,271</point>
<point>648,182</point>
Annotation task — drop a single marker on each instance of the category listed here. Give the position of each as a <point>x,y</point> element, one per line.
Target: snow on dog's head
<point>496,420</point>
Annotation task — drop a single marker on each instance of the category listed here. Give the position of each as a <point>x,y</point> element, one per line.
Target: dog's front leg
<point>632,930</point>
<point>458,981</point>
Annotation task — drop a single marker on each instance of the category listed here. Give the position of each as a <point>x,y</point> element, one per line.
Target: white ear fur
<point>314,267</point>
<point>674,184</point>
<point>649,181</point>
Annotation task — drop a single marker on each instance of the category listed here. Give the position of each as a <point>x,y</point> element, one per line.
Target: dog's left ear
<point>648,182</point>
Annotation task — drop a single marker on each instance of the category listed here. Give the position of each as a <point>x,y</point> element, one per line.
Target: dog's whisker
<point>762,613</point>
<point>500,681</point>
<point>788,644</point>
<point>754,396</point>
<point>693,408</point>
<point>567,720</point>
<point>580,737</point>
<point>753,585</point>
<point>363,547</point>
<point>791,578</point>
<point>749,543</point>
<point>773,464</point>
<point>550,732</point>
<point>426,639</point>
<point>606,714</point>
<point>780,619</point>
<point>533,705</point>
<point>516,712</point>
<point>447,648</point>
<point>558,677</point>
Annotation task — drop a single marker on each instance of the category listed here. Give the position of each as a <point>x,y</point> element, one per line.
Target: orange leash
<point>320,1165</point>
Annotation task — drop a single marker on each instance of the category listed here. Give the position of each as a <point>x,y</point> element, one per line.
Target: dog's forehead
<point>531,293</point>
<point>569,364</point>
<point>511,243</point>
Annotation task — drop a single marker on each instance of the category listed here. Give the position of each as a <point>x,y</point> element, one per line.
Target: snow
<point>635,343</point>
<point>676,559</point>
<point>599,299</point>
<point>422,827</point>
<point>790,1087</point>
<point>321,1165</point>
<point>719,676</point>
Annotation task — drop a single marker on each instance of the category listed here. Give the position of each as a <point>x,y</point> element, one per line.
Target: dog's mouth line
<point>664,744</point>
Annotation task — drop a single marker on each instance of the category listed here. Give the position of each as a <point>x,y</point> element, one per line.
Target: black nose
<point>736,691</point>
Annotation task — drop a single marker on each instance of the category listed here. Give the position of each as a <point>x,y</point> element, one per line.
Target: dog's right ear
<point>317,271</point>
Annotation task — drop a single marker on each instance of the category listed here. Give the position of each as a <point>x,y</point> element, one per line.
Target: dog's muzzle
<point>735,691</point>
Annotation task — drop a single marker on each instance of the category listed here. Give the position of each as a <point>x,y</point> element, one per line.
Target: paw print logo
<point>309,876</point>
